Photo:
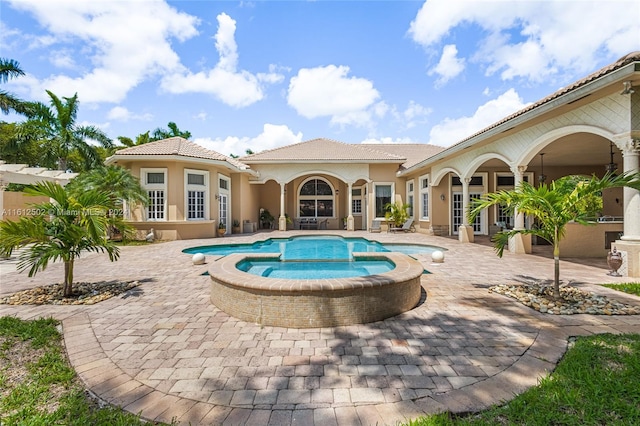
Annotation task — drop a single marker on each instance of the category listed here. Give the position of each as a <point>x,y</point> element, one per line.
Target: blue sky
<point>258,75</point>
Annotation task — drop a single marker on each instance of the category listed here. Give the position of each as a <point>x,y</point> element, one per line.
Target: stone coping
<point>406,268</point>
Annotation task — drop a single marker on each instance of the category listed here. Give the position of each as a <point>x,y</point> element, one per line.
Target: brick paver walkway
<point>164,350</point>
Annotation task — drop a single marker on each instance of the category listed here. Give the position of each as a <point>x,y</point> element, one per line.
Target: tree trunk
<point>68,278</point>
<point>62,164</point>
<point>556,266</point>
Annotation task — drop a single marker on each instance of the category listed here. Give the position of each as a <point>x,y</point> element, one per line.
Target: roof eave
<point>150,157</point>
<point>316,161</point>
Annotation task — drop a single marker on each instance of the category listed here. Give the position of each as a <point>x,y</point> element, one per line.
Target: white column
<point>465,232</point>
<point>519,243</point>
<point>350,226</point>
<point>282,220</point>
<point>631,197</point>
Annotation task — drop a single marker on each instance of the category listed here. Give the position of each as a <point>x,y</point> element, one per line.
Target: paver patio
<point>164,350</point>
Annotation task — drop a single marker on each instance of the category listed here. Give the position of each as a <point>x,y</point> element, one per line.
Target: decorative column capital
<point>518,169</point>
<point>628,143</point>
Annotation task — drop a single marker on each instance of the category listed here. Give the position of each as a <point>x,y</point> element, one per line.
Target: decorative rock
<point>437,256</point>
<point>198,259</point>
<point>573,300</point>
<point>83,294</point>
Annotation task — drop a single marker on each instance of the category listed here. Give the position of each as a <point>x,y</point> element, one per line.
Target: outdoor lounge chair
<point>407,226</point>
<point>375,226</point>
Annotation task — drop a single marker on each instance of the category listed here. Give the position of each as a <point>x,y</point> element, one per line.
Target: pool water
<point>314,269</point>
<point>325,247</point>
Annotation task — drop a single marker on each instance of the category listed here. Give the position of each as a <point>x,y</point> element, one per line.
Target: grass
<point>37,384</point>
<point>631,288</point>
<point>596,383</point>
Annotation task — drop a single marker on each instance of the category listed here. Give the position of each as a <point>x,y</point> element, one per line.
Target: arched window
<point>316,199</point>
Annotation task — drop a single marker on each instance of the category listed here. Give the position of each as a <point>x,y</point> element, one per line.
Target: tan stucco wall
<point>244,199</point>
<point>18,204</point>
<point>176,227</point>
<point>587,241</point>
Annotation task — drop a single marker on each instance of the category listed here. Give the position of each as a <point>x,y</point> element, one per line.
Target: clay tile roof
<point>620,63</point>
<point>321,149</point>
<point>413,152</point>
<point>178,146</point>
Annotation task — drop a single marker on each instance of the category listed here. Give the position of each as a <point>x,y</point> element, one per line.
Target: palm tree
<point>11,69</point>
<point>121,186</point>
<point>568,199</point>
<point>173,131</point>
<point>60,229</point>
<point>141,139</point>
<point>64,137</point>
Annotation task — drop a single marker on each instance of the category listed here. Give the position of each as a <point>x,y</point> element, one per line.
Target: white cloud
<point>329,92</point>
<point>62,58</point>
<point>272,136</point>
<point>534,39</point>
<point>451,131</point>
<point>449,66</point>
<point>120,113</point>
<point>224,81</point>
<point>202,116</point>
<point>415,114</point>
<point>126,43</point>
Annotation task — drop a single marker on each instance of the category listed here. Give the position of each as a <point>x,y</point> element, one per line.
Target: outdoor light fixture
<point>611,167</point>
<point>628,88</point>
<point>442,197</point>
<point>542,176</point>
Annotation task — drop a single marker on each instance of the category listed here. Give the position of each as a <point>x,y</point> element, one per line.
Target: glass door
<point>224,212</point>
<point>458,211</point>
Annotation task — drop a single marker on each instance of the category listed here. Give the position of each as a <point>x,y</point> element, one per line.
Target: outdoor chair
<point>375,226</point>
<point>407,226</point>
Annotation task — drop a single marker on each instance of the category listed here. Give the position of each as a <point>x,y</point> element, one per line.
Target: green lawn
<point>37,384</point>
<point>596,383</point>
<point>631,288</point>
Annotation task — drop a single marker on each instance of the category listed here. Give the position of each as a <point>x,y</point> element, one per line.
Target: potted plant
<point>266,219</point>
<point>397,214</point>
<point>222,229</point>
<point>236,226</point>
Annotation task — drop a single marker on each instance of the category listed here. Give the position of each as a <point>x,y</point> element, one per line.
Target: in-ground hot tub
<point>308,303</point>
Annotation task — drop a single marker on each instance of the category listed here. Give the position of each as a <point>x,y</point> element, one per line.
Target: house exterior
<point>588,127</point>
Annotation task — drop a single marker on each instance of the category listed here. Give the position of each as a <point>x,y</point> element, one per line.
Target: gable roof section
<point>175,146</point>
<point>327,150</point>
<point>625,60</point>
<point>547,102</point>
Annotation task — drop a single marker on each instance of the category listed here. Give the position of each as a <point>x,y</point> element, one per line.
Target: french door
<point>458,213</point>
<point>224,211</point>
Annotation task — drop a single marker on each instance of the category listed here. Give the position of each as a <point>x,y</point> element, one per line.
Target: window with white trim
<point>424,197</point>
<point>154,181</point>
<point>383,193</point>
<point>316,198</point>
<point>197,194</point>
<point>410,197</point>
<point>356,201</point>
<point>224,197</point>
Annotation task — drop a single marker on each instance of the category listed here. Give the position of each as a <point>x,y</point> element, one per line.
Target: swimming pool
<point>318,247</point>
<point>305,270</point>
<point>314,281</point>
